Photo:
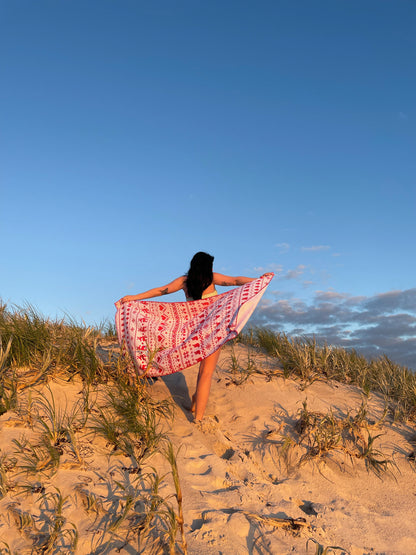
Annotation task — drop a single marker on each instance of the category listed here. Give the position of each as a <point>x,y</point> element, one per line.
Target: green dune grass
<point>305,358</point>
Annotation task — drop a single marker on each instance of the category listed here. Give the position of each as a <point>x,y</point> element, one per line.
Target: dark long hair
<point>199,275</point>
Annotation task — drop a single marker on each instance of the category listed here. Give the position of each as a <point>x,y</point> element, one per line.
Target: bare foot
<point>190,407</point>
<point>208,424</point>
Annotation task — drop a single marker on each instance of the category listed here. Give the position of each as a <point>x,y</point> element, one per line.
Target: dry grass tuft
<point>320,437</point>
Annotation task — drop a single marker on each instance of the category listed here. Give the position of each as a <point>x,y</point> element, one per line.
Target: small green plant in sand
<point>23,520</point>
<point>128,418</point>
<point>42,457</point>
<point>177,519</point>
<point>320,436</point>
<point>134,511</point>
<point>160,515</point>
<point>90,500</point>
<point>59,425</point>
<point>7,464</point>
<point>375,460</point>
<point>55,428</point>
<point>52,419</point>
<point>57,531</point>
<point>239,373</point>
<point>325,550</point>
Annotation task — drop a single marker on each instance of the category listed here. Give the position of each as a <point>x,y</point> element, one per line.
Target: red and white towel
<point>163,338</point>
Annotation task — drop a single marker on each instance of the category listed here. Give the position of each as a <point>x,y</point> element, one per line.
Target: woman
<point>198,283</point>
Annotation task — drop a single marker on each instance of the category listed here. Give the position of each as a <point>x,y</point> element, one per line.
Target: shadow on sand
<point>178,388</point>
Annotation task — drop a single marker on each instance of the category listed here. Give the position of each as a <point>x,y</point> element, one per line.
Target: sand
<point>240,495</point>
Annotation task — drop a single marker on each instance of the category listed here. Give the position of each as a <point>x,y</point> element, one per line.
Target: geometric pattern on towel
<point>163,338</point>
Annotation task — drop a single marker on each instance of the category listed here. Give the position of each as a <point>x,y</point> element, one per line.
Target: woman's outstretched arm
<point>221,279</point>
<point>171,287</point>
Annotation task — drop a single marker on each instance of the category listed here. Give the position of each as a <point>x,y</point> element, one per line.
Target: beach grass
<point>110,418</point>
<point>239,371</point>
<point>306,359</point>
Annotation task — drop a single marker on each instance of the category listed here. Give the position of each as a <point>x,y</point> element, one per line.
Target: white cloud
<point>275,268</point>
<point>315,248</point>
<point>283,247</point>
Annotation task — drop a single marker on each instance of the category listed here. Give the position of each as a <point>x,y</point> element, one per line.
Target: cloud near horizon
<point>296,273</point>
<point>377,325</point>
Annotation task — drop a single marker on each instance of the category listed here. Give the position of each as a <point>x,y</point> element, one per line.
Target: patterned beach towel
<point>178,335</point>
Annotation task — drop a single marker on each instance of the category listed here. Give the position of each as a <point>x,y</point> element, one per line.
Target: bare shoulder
<point>179,282</point>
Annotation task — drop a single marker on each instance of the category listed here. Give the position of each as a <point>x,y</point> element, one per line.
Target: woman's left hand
<point>122,300</point>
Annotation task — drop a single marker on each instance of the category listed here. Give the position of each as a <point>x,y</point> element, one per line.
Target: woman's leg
<point>203,384</point>
<point>193,403</point>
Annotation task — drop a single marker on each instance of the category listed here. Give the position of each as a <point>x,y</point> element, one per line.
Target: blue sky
<point>274,135</point>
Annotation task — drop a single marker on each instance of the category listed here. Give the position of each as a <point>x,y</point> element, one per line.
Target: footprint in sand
<point>198,466</point>
<point>216,439</point>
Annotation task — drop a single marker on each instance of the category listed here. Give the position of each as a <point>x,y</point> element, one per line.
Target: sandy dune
<point>230,467</point>
<point>241,494</point>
